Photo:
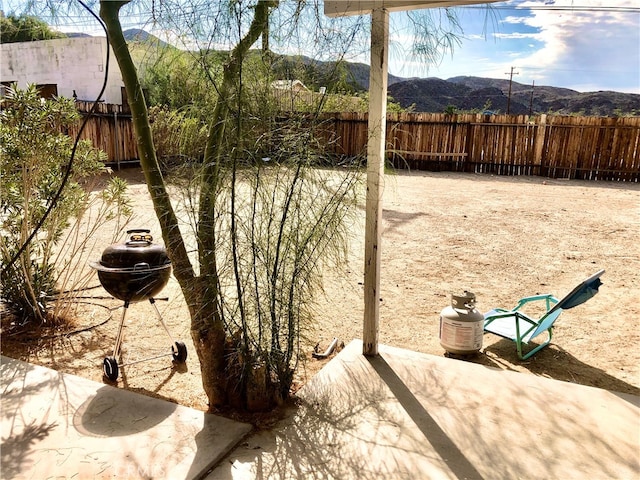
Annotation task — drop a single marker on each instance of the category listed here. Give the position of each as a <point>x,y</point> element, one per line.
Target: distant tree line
<point>25,28</point>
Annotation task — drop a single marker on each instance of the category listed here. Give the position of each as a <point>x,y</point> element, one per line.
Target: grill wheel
<point>179,350</point>
<point>110,368</point>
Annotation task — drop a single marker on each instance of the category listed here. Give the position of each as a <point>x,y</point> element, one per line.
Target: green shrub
<point>34,156</point>
<point>178,138</point>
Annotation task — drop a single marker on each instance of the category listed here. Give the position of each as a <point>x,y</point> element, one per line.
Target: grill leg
<point>178,349</point>
<point>116,348</point>
<point>164,325</point>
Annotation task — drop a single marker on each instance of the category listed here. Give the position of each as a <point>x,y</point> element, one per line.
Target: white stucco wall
<point>70,63</point>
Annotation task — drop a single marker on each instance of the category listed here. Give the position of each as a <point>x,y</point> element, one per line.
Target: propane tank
<point>461,325</point>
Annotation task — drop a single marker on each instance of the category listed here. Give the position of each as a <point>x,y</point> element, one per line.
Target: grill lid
<point>136,253</point>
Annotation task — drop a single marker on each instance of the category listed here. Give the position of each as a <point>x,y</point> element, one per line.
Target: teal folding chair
<point>515,325</point>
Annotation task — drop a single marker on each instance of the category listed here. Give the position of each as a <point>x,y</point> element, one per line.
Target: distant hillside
<point>476,93</point>
<point>481,94</point>
<point>131,35</point>
<point>138,35</point>
<point>317,73</point>
<point>360,74</point>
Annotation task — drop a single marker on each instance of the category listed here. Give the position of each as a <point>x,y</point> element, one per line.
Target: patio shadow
<point>564,366</point>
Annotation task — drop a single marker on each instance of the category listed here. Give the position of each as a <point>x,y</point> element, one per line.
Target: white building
<point>63,67</point>
<point>294,86</point>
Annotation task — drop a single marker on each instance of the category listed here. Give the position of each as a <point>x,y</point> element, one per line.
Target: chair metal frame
<point>517,326</point>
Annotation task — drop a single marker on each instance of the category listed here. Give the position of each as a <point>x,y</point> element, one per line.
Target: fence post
<point>116,139</point>
<point>538,145</point>
<point>471,160</point>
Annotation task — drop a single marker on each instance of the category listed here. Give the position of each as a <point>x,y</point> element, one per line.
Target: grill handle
<point>139,236</point>
<point>141,266</point>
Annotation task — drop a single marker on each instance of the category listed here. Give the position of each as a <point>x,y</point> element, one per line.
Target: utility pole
<point>533,85</point>
<point>511,74</point>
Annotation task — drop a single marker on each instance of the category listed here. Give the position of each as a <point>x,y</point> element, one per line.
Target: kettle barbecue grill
<point>134,271</point>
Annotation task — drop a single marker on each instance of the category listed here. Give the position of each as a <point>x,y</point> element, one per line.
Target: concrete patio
<point>402,415</point>
<point>406,415</point>
<point>63,426</point>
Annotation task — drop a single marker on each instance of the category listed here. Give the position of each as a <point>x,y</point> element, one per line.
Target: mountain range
<point>142,36</point>
<point>490,94</point>
<point>478,94</point>
<point>469,93</point>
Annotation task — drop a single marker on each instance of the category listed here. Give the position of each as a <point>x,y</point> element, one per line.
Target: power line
<point>511,74</point>
<point>553,8</point>
<point>197,11</point>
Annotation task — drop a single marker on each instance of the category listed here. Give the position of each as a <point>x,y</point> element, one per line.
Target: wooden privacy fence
<point>110,129</point>
<point>591,148</point>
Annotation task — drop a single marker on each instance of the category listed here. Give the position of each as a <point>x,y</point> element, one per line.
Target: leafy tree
<point>175,80</point>
<point>254,168</point>
<point>25,28</point>
<point>451,110</point>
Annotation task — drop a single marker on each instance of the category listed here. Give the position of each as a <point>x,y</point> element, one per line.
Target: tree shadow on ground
<point>403,415</point>
<point>552,362</point>
<point>21,432</point>
<point>180,368</point>
<point>395,219</point>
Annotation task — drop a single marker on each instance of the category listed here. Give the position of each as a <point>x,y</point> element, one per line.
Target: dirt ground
<point>502,238</point>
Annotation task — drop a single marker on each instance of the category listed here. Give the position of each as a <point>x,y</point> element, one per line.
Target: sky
<point>584,45</point>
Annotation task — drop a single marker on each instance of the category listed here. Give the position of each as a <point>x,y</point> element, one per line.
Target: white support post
<point>375,176</point>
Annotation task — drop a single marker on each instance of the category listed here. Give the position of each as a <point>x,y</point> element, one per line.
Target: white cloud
<point>584,46</point>
<point>581,44</point>
<point>511,36</point>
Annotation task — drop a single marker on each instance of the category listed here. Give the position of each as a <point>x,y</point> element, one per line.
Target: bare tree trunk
<point>206,328</point>
<point>153,176</point>
<point>201,293</point>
